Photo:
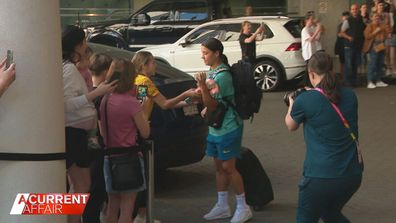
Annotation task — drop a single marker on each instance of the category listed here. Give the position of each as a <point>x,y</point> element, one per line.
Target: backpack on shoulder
<point>247,94</point>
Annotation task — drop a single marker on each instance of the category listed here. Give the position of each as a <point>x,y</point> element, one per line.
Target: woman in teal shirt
<point>223,144</point>
<point>332,169</point>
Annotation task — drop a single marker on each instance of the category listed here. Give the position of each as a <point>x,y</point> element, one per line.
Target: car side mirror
<point>184,42</point>
<point>141,20</point>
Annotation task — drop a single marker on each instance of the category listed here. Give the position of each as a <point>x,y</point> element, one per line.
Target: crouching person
<point>333,163</point>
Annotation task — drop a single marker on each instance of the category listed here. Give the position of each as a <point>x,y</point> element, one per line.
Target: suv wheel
<point>267,75</point>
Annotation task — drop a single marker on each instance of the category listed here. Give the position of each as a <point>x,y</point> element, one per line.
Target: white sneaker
<point>142,219</point>
<point>380,84</point>
<point>218,212</point>
<point>242,215</point>
<point>388,72</point>
<point>371,85</point>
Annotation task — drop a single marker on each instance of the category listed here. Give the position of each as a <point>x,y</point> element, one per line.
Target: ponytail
<point>224,59</point>
<point>322,64</point>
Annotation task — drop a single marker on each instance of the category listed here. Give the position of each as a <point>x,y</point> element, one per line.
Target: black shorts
<point>77,147</point>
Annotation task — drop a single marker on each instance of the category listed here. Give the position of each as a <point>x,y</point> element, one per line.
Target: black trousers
<point>98,193</point>
<point>325,198</point>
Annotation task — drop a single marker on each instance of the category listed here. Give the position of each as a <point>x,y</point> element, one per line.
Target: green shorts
<point>225,147</point>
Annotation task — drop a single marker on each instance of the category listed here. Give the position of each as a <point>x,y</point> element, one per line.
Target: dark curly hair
<point>72,36</point>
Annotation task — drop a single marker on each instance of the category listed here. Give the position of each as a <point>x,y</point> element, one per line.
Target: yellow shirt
<point>152,90</point>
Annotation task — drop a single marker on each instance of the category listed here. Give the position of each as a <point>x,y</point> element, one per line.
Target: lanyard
<point>346,124</point>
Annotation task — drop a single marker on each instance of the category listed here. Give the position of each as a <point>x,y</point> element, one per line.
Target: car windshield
<point>205,33</point>
<point>177,11</point>
<point>163,70</point>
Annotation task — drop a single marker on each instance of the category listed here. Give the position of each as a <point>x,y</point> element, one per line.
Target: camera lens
<point>292,94</point>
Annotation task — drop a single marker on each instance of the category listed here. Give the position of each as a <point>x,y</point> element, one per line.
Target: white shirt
<point>309,48</point>
<point>79,112</point>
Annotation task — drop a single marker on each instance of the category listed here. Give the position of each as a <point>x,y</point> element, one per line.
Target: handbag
<point>215,118</point>
<point>346,124</point>
<point>379,47</point>
<point>125,169</point>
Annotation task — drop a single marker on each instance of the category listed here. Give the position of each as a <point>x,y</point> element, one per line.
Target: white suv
<point>278,54</point>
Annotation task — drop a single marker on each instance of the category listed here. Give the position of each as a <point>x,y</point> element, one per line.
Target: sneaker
<point>218,212</point>
<point>381,84</point>
<point>242,215</point>
<point>388,72</point>
<point>371,85</point>
<point>142,219</point>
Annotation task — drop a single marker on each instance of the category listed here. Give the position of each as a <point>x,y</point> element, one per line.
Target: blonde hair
<point>140,59</point>
<point>244,23</point>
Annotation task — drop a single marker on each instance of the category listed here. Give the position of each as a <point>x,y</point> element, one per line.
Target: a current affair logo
<point>49,204</point>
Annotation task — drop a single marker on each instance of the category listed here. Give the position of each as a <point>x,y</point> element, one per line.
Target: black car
<point>165,21</point>
<point>179,139</point>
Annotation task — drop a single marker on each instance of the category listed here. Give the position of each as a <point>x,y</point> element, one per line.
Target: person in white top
<point>80,113</point>
<point>310,36</point>
<point>310,40</point>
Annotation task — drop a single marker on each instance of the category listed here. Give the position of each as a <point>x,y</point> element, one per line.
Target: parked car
<point>165,21</point>
<point>278,54</point>
<point>179,139</point>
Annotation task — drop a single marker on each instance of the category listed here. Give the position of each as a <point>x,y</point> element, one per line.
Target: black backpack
<point>247,94</point>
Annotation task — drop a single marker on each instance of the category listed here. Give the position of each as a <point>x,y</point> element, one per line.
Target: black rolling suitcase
<point>258,188</point>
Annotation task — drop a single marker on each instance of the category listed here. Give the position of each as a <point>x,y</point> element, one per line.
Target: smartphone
<point>116,76</point>
<point>142,91</point>
<point>10,58</point>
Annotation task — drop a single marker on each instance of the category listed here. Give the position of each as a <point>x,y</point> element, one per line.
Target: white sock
<point>241,201</point>
<point>222,198</point>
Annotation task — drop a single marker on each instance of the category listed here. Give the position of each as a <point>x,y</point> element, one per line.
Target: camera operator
<point>333,165</point>
<point>7,76</point>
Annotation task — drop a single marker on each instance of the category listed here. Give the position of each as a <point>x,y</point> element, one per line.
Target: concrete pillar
<point>31,111</point>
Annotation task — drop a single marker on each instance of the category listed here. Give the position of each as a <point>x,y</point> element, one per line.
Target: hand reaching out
<point>7,76</point>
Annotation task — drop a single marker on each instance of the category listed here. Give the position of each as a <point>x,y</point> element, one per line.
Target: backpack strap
<point>216,72</point>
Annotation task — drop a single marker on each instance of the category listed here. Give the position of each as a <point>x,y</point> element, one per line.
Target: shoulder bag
<point>125,169</point>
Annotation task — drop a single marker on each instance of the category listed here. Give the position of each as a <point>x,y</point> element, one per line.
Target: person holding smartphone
<point>145,67</point>
<point>7,76</point>
<point>148,94</point>
<point>247,41</point>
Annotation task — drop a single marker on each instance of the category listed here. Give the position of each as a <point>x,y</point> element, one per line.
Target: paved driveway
<point>185,194</point>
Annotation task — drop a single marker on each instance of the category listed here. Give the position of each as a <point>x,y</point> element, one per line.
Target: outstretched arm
<point>7,76</point>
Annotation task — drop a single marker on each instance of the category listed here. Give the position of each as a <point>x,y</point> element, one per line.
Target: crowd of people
<point>367,38</point>
<point>365,43</point>
<point>106,112</point>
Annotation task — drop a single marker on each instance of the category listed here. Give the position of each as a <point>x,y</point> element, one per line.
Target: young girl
<point>145,66</point>
<point>121,119</point>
